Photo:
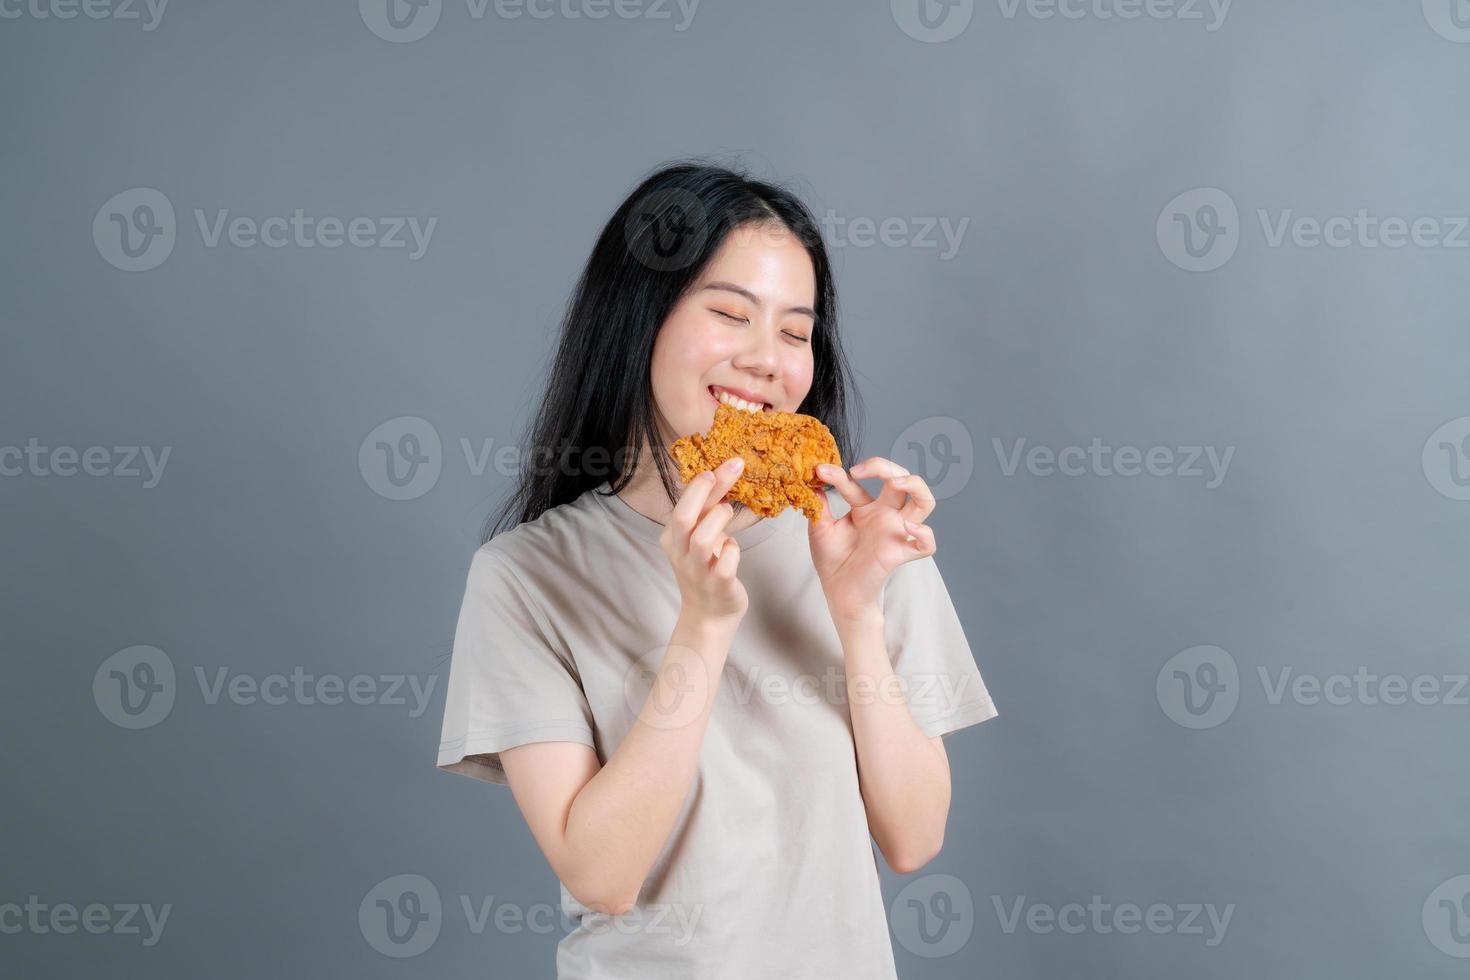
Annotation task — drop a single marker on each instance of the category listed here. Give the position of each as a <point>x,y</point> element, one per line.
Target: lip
<point>739,393</point>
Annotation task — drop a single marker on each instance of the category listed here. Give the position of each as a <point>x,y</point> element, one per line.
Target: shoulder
<point>534,544</point>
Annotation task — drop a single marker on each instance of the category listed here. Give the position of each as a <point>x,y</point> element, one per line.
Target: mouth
<point>720,396</point>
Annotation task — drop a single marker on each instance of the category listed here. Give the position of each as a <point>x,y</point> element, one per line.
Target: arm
<point>903,774</point>
<point>602,829</point>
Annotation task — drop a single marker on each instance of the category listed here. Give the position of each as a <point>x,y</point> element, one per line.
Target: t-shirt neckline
<point>646,527</point>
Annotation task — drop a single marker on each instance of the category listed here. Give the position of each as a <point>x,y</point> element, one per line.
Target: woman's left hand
<point>854,555</point>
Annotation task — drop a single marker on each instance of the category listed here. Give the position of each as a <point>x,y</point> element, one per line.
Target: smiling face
<point>745,327</point>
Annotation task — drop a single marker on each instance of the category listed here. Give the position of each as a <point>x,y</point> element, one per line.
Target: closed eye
<point>740,319</point>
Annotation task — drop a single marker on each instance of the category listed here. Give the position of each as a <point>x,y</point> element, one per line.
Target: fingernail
<point>734,464</point>
<point>901,471</point>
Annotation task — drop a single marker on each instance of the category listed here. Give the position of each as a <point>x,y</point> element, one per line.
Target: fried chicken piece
<point>781,450</point>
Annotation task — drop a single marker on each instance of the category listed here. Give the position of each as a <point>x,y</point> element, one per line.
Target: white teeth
<point>737,402</point>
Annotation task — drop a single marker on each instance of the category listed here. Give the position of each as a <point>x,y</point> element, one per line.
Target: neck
<point>645,494</point>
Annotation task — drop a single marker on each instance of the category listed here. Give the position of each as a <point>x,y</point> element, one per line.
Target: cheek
<point>688,344</point>
<point>798,370</point>
<point>685,354</point>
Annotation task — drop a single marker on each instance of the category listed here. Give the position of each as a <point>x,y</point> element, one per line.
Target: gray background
<point>1330,545</point>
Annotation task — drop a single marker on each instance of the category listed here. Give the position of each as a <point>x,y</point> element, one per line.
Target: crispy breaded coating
<point>781,450</point>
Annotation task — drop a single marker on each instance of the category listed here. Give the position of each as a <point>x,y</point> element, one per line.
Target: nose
<point>760,356</point>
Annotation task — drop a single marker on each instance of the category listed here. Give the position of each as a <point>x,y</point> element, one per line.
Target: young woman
<point>708,718</point>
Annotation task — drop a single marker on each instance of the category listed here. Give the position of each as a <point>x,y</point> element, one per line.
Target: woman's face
<point>744,326</point>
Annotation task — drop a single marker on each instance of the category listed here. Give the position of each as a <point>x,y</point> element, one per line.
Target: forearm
<point>905,782</point>
<point>621,819</point>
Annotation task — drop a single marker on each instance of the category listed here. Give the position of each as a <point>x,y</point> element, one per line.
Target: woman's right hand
<point>703,556</point>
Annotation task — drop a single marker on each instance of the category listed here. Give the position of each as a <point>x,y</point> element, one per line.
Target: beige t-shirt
<point>770,872</point>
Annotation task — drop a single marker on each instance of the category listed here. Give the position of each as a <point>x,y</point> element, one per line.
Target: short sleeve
<point>508,684</point>
<point>930,654</point>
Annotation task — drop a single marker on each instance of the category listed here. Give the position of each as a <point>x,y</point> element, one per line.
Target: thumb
<point>824,519</point>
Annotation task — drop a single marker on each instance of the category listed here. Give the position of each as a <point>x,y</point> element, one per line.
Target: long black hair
<point>597,412</point>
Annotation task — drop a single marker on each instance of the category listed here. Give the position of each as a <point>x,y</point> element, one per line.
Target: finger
<point>729,559</point>
<point>726,475</point>
<point>703,492</point>
<point>921,498</point>
<point>825,516</point>
<point>923,544</point>
<point>691,505</point>
<point>855,495</point>
<point>888,471</point>
<point>710,531</point>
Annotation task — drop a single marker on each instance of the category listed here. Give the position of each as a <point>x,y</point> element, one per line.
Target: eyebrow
<point>730,287</point>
